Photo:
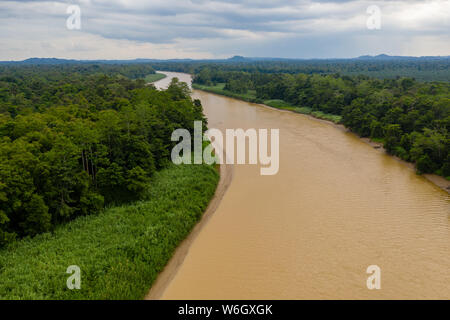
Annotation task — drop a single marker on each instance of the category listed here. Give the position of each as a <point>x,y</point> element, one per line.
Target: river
<point>335,207</point>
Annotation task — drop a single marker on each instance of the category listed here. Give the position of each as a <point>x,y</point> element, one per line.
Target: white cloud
<point>120,29</point>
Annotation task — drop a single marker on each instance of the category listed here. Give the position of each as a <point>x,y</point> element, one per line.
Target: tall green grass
<point>120,251</point>
<point>250,96</point>
<point>280,104</point>
<point>154,77</point>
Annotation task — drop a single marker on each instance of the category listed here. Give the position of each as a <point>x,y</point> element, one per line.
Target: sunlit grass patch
<point>154,77</point>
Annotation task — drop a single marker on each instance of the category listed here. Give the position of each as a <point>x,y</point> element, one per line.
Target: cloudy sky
<point>128,29</point>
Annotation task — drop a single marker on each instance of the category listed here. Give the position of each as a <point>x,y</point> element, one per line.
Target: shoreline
<point>166,276</point>
<point>436,180</point>
<point>156,80</point>
<point>170,270</point>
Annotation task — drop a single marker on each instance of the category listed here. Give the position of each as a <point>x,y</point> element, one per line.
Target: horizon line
<point>235,57</point>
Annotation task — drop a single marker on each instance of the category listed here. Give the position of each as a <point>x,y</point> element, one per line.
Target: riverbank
<point>120,251</point>
<point>250,96</point>
<point>334,120</point>
<point>151,78</point>
<point>172,267</point>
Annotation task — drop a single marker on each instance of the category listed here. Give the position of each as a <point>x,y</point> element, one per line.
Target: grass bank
<point>119,251</point>
<point>250,96</point>
<point>154,77</point>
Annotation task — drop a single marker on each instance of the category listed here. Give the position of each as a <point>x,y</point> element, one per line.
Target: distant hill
<point>387,57</point>
<point>235,59</point>
<point>381,66</point>
<point>238,58</point>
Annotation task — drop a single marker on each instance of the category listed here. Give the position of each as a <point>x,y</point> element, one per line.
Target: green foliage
<point>73,140</point>
<point>277,103</point>
<point>16,73</point>
<point>446,167</point>
<point>421,69</point>
<point>425,165</point>
<point>219,88</point>
<point>119,251</point>
<point>154,77</point>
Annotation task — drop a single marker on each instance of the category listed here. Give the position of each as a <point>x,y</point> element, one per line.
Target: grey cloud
<point>252,27</point>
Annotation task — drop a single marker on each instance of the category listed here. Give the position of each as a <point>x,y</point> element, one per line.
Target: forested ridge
<point>74,138</point>
<point>411,118</point>
<point>421,69</point>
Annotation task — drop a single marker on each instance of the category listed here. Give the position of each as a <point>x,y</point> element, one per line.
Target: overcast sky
<point>128,29</point>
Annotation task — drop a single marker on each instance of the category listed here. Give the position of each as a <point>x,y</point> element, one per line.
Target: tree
<point>393,134</point>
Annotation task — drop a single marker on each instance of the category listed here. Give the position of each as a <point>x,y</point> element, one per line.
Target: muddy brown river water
<point>335,207</point>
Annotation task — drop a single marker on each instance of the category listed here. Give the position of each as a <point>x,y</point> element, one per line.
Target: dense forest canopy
<point>74,138</point>
<point>381,66</point>
<point>55,72</point>
<point>411,118</point>
<point>421,69</point>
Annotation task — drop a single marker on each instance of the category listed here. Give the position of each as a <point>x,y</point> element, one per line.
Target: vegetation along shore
<point>410,119</point>
<point>86,180</point>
